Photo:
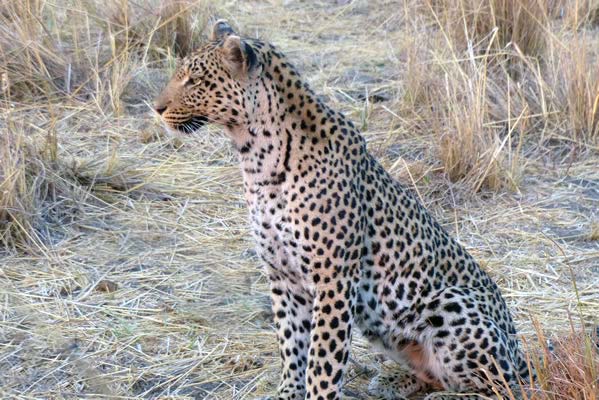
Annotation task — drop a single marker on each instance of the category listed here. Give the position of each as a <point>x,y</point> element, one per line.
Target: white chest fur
<point>273,233</point>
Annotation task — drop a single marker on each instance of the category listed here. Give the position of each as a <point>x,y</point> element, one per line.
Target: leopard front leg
<point>332,320</point>
<point>292,308</point>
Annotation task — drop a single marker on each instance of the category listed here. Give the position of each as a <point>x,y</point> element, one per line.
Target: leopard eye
<point>190,82</point>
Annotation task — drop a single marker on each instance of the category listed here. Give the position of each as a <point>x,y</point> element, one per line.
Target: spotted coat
<point>344,244</point>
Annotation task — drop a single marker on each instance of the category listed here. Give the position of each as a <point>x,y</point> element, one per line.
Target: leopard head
<point>209,84</point>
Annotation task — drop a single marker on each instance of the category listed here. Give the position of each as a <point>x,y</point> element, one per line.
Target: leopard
<point>345,246</point>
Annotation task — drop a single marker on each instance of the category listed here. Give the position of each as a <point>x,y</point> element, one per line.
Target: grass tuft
<point>574,78</point>
<point>34,199</point>
<point>159,29</point>
<point>569,368</point>
<point>497,25</point>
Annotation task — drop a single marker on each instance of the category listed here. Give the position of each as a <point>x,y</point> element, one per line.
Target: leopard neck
<point>285,125</point>
<point>265,140</point>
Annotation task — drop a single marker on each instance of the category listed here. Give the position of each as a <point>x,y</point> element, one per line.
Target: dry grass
<point>575,79</point>
<point>126,266</point>
<point>494,24</point>
<point>568,366</point>
<point>578,14</point>
<point>491,74</point>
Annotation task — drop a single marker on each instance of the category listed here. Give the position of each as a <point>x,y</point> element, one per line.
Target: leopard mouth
<point>191,125</point>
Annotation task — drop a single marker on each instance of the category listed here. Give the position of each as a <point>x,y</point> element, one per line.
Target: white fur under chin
<point>172,133</point>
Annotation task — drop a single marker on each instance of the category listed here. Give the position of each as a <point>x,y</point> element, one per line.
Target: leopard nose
<point>160,109</point>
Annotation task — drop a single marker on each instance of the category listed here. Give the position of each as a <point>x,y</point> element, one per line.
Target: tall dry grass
<point>30,190</point>
<point>495,25</point>
<point>82,47</point>
<point>159,29</point>
<point>577,14</point>
<point>81,54</point>
<point>573,75</point>
<point>566,367</point>
<point>492,75</point>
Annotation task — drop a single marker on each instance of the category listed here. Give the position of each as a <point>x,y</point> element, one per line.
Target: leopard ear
<point>220,30</point>
<point>240,56</point>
